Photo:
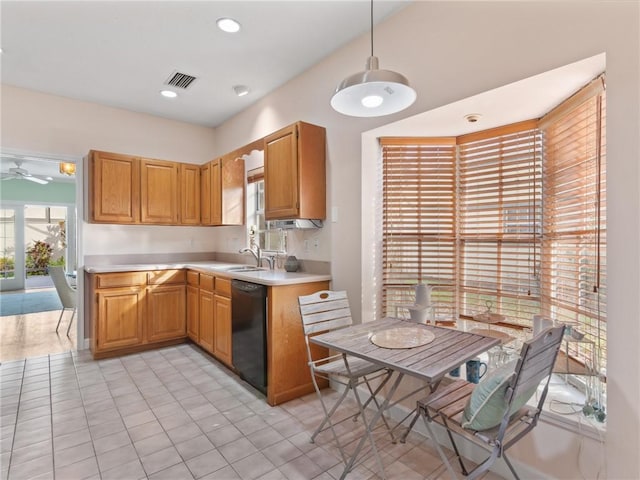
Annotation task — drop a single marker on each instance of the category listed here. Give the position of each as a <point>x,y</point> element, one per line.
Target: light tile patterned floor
<point>173,413</point>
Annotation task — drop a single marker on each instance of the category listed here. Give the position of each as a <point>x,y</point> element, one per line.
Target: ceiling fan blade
<point>41,181</point>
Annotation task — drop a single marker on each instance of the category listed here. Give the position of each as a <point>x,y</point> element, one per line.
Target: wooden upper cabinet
<point>159,191</point>
<point>223,191</point>
<point>295,172</point>
<point>115,188</point>
<point>216,190</point>
<point>205,194</point>
<point>189,194</point>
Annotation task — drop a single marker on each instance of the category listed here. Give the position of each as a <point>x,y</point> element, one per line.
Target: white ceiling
<point>119,53</point>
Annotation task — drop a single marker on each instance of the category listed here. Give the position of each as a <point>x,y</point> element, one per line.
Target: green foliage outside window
<point>38,258</point>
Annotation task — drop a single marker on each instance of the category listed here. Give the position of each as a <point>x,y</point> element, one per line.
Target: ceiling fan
<point>21,173</point>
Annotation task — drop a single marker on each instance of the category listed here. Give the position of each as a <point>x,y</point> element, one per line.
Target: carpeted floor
<point>21,303</point>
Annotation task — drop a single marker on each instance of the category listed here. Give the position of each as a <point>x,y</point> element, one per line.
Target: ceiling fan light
<point>67,168</point>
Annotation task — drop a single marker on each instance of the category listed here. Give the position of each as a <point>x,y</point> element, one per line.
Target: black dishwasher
<point>249,332</point>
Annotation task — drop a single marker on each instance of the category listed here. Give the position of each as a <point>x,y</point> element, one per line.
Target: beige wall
<point>449,51</point>
<point>52,124</point>
<point>37,122</point>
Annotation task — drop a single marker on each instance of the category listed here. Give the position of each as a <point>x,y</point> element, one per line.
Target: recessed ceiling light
<point>228,25</point>
<point>168,93</point>
<point>241,90</point>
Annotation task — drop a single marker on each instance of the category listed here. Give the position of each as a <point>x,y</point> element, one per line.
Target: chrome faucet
<point>257,253</point>
<point>271,260</point>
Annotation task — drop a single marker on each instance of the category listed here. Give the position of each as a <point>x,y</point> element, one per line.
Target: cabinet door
<point>189,194</point>
<point>281,174</point>
<point>193,313</point>
<point>232,190</point>
<point>216,192</point>
<point>120,318</point>
<point>286,344</point>
<point>205,194</point>
<point>222,328</point>
<point>114,185</point>
<point>206,320</point>
<point>159,192</point>
<point>165,312</point>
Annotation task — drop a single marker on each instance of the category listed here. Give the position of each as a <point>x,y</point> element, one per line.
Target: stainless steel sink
<point>244,268</point>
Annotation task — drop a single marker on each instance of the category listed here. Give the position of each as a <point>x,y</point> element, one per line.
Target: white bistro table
<point>429,362</point>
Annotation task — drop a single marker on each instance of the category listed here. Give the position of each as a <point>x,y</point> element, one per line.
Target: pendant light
<point>374,92</point>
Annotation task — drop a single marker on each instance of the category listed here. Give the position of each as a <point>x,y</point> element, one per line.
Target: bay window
<point>511,220</point>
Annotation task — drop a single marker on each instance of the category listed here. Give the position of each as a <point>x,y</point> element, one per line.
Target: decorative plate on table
<point>402,337</point>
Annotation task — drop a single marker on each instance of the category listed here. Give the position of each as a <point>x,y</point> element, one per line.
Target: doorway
<point>38,228</point>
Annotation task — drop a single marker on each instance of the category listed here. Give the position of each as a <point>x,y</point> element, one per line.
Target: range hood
<point>299,224</point>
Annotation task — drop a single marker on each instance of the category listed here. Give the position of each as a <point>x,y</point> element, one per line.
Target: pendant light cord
<point>372,28</point>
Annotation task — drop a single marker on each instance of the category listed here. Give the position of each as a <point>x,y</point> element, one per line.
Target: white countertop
<point>262,276</point>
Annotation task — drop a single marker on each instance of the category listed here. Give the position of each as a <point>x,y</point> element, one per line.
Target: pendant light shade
<point>373,92</point>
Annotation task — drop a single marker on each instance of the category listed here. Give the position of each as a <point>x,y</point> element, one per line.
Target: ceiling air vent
<point>180,80</point>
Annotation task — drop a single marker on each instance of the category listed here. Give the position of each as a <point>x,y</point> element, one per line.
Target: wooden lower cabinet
<point>288,374</point>
<point>165,312</point>
<point>133,311</point>
<point>121,315</point>
<point>222,328</point>
<point>206,320</point>
<point>193,313</point>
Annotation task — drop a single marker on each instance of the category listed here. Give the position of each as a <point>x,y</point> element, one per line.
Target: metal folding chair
<point>494,417</point>
<point>325,311</point>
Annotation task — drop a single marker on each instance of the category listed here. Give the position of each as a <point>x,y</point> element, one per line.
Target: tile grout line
<point>178,401</point>
<point>53,457</point>
<point>15,425</point>
<point>93,447</point>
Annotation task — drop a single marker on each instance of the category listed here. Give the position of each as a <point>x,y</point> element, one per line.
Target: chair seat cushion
<point>487,404</point>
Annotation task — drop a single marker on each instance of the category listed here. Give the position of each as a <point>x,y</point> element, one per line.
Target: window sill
<point>563,409</point>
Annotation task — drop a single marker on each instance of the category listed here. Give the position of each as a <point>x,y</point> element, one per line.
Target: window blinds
<point>419,219</point>
<point>512,218</point>
<point>500,221</point>
<point>574,245</point>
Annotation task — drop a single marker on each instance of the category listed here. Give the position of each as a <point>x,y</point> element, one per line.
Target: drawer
<point>120,279</point>
<point>193,278</point>
<point>223,286</point>
<point>159,277</point>
<point>206,282</point>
